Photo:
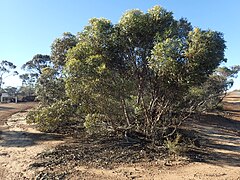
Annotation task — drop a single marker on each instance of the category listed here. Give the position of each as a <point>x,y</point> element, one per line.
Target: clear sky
<point>28,27</point>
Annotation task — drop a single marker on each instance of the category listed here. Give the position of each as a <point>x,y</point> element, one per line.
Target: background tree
<point>12,91</point>
<point>211,93</point>
<point>28,84</point>
<point>48,70</point>
<point>28,79</point>
<point>6,67</point>
<point>60,47</point>
<point>50,86</point>
<point>35,69</point>
<point>37,63</point>
<point>50,89</point>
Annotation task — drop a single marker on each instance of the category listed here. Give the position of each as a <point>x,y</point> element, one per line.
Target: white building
<point>5,97</point>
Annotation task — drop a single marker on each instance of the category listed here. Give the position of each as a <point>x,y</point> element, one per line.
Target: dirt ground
<point>8,109</point>
<point>21,145</point>
<point>219,159</point>
<point>20,142</point>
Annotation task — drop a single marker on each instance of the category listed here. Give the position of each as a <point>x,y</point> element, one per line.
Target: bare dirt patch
<point>20,143</point>
<point>8,109</point>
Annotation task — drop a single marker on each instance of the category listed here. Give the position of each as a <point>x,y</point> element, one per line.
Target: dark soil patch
<point>99,152</point>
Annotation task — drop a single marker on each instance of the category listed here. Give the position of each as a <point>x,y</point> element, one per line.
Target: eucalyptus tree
<point>50,85</point>
<point>145,73</point>
<point>12,91</point>
<point>210,94</point>
<point>37,63</point>
<point>6,68</point>
<point>29,81</point>
<point>60,47</point>
<point>137,74</point>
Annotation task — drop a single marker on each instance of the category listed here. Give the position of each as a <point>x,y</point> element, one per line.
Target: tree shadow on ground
<point>2,108</point>
<point>219,139</point>
<point>24,139</point>
<point>233,106</point>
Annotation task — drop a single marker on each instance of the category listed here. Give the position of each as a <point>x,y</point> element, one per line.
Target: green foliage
<point>50,88</point>
<point>209,94</point>
<point>34,68</point>
<point>6,67</point>
<point>12,91</point>
<point>174,146</point>
<point>28,84</point>
<point>25,91</point>
<point>59,48</point>
<point>28,79</point>
<point>147,73</point>
<point>37,63</point>
<point>47,78</point>
<point>53,117</point>
<point>96,124</point>
<point>139,72</point>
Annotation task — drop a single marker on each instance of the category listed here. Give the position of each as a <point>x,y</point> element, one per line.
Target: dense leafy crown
<point>147,73</point>
<point>136,72</point>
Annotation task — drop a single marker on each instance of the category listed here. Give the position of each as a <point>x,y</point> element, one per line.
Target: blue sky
<point>28,27</point>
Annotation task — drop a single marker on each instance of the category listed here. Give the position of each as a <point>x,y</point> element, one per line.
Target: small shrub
<point>173,146</point>
<point>52,118</point>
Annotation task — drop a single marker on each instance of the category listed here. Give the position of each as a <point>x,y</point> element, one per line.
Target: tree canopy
<point>60,47</point>
<point>6,67</point>
<point>138,73</point>
<point>147,73</point>
<point>37,63</point>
